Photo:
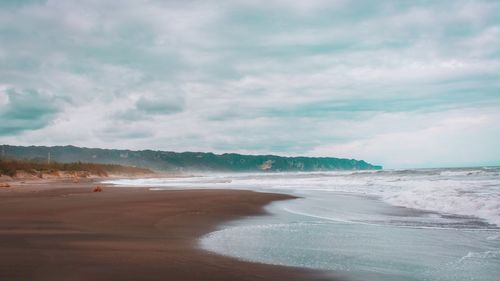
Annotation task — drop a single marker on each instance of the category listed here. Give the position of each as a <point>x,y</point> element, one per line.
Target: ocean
<point>416,224</point>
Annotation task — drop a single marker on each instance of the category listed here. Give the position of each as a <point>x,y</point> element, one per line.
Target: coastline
<point>59,230</point>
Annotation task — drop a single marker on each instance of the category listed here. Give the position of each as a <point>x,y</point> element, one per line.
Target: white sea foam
<point>493,237</point>
<point>448,197</point>
<point>466,192</point>
<point>481,255</point>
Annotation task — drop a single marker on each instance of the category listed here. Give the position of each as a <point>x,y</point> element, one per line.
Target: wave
<point>465,192</point>
<point>481,255</point>
<point>449,197</point>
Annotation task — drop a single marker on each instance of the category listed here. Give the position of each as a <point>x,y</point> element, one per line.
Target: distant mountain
<point>183,161</point>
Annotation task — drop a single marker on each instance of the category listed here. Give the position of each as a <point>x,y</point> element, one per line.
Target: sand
<point>59,230</point>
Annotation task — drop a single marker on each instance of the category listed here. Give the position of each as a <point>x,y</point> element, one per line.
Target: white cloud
<point>4,98</point>
<point>467,138</point>
<point>288,77</point>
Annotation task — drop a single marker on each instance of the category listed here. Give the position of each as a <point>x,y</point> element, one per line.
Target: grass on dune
<point>11,167</point>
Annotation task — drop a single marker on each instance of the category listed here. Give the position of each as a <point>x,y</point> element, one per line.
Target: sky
<point>397,83</point>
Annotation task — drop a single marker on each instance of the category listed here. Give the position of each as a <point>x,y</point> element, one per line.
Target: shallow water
<point>436,224</point>
<point>366,239</point>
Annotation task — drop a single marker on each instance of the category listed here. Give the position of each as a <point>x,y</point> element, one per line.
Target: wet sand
<point>62,231</point>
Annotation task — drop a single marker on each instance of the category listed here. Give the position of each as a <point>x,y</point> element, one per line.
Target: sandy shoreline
<point>58,230</point>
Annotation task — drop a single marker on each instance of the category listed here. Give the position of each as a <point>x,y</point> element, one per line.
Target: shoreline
<point>58,230</point>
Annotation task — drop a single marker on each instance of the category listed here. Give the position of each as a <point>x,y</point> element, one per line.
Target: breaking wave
<point>465,192</point>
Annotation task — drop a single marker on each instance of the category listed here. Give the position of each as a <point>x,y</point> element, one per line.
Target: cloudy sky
<point>397,83</point>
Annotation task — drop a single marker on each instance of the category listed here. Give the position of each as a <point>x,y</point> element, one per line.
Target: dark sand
<point>62,231</point>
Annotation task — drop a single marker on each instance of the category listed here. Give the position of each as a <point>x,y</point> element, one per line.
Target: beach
<point>429,224</point>
<point>60,230</point>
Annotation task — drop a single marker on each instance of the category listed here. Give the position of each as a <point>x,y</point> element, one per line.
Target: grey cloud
<point>267,76</point>
<point>159,105</point>
<point>26,109</point>
<point>147,107</point>
<point>114,132</point>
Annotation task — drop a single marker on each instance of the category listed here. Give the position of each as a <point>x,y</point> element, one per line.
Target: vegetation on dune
<point>11,167</point>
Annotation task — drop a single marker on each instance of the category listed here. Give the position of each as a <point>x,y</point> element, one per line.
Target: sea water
<point>426,224</point>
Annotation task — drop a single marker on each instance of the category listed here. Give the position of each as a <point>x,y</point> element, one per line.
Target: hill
<point>183,161</point>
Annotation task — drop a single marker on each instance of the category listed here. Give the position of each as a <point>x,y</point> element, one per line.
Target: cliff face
<point>185,161</point>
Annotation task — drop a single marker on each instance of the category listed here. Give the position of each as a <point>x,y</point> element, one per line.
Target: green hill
<point>183,161</point>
